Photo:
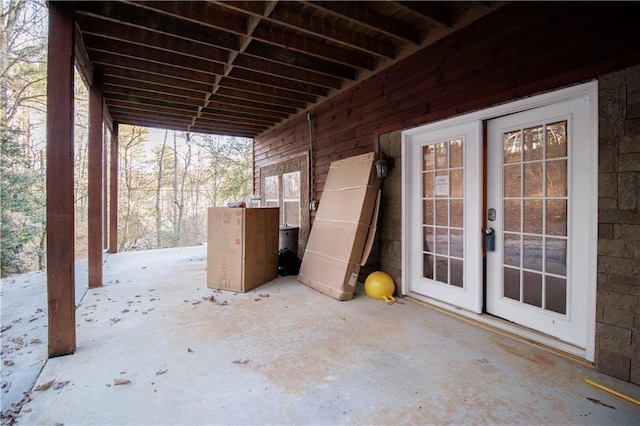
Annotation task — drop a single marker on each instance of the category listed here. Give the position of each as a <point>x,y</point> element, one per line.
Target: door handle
<point>490,239</point>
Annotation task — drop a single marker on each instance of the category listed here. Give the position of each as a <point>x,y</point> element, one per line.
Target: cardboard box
<point>344,227</point>
<point>242,247</point>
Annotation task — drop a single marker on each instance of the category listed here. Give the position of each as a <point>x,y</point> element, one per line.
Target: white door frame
<point>588,91</point>
<point>470,295</point>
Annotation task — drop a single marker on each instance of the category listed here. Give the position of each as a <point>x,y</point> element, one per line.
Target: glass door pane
<point>442,215</point>
<point>535,206</point>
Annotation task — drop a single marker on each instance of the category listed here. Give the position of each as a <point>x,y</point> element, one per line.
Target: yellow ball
<point>379,285</point>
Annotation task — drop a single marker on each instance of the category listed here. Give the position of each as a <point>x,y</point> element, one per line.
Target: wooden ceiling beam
<point>296,59</point>
<point>200,12</point>
<point>82,58</point>
<point>243,42</point>
<point>139,76</point>
<point>151,102</point>
<point>257,97</point>
<point>145,94</point>
<point>287,39</point>
<point>110,59</point>
<point>237,120</point>
<point>359,12</point>
<point>222,110</point>
<point>268,109</point>
<point>154,124</point>
<point>266,90</point>
<point>251,7</point>
<point>282,70</point>
<point>250,110</point>
<point>286,14</point>
<point>435,12</point>
<point>123,110</point>
<point>137,106</point>
<point>156,117</point>
<point>228,127</point>
<point>96,43</point>
<point>271,80</point>
<point>119,31</point>
<point>222,132</point>
<point>204,120</point>
<point>152,87</point>
<point>130,14</point>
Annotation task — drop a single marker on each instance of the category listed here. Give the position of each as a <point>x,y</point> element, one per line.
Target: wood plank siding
<point>520,49</point>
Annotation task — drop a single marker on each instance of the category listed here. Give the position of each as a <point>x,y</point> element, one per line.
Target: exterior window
<point>271,193</point>
<point>291,199</point>
<point>285,184</point>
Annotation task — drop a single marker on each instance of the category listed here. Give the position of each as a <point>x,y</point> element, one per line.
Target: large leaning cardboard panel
<point>342,227</point>
<point>242,247</point>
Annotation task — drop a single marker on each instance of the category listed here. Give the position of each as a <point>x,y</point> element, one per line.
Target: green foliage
<point>21,204</point>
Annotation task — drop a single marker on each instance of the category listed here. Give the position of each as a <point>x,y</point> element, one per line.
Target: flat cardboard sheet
<point>342,227</point>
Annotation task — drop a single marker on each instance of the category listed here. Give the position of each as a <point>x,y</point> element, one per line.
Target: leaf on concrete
<point>35,340</point>
<point>118,382</point>
<point>45,386</point>
<point>8,362</point>
<point>124,311</point>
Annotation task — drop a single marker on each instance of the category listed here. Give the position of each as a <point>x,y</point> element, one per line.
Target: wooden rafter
<point>255,64</point>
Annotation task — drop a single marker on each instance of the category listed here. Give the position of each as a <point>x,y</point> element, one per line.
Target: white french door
<point>540,193</point>
<point>445,220</point>
<point>534,162</point>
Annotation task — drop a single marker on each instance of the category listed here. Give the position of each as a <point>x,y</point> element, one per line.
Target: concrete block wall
<point>390,221</point>
<point>618,293</point>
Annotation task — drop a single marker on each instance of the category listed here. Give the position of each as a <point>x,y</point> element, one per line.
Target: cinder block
<point>628,190</point>
<point>613,364</point>
<point>629,162</point>
<point>615,248</point>
<point>605,231</point>
<point>612,80</point>
<point>607,184</point>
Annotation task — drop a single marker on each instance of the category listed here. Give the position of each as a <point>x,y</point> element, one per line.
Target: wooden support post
<point>60,195</point>
<point>95,183</point>
<point>105,190</point>
<point>113,191</point>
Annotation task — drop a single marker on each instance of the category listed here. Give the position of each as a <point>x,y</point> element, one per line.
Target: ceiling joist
<point>244,67</point>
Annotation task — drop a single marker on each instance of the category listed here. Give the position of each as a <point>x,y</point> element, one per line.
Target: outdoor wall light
<point>383,166</point>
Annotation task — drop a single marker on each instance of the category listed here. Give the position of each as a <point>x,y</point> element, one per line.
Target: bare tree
<point>23,41</point>
<point>159,192</point>
<point>132,226</point>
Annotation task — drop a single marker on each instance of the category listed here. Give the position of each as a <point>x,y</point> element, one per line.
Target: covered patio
<point>151,344</point>
<point>286,354</point>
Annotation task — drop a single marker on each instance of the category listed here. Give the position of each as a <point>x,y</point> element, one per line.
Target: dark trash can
<point>289,238</point>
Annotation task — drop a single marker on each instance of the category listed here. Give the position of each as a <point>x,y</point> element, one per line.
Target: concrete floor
<point>286,354</point>
<point>24,332</point>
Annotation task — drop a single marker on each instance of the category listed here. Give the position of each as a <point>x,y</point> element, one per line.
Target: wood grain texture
<point>95,183</point>
<point>517,51</point>
<point>60,195</point>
